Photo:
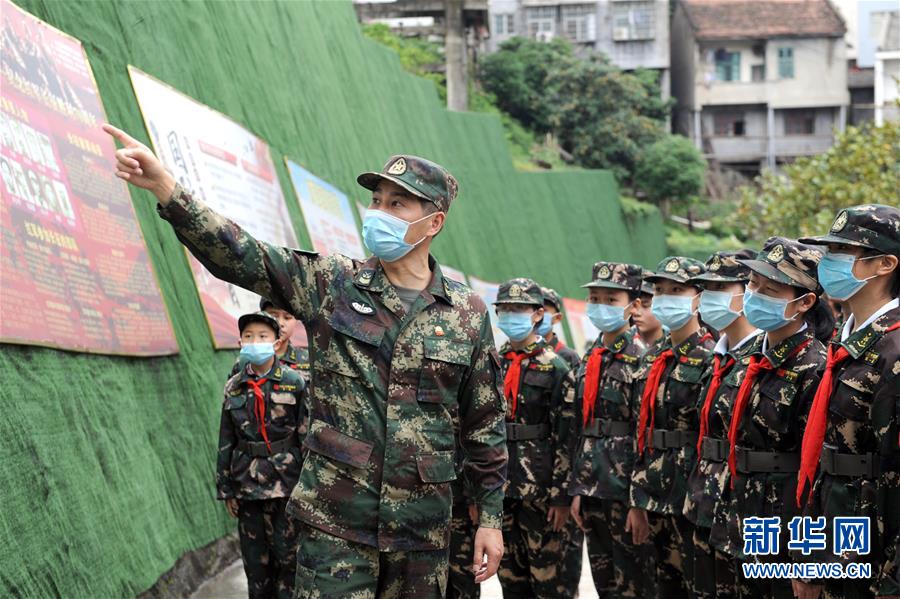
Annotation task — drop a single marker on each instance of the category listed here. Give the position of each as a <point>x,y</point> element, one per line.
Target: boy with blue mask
<point>648,326</point>
<point>262,427</point>
<point>539,390</point>
<point>606,411</point>
<point>778,375</point>
<point>296,358</point>
<point>850,453</point>
<point>721,307</point>
<point>668,384</point>
<point>553,317</point>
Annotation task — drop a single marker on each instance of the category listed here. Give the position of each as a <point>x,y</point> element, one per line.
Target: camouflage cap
<point>646,288</point>
<point>265,303</point>
<point>788,261</point>
<point>418,176</point>
<point>676,268</point>
<point>724,267</point>
<point>552,297</point>
<point>616,275</point>
<point>873,226</point>
<point>263,317</point>
<point>520,291</point>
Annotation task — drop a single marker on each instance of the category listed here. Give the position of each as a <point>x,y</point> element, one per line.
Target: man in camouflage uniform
<point>668,384</point>
<point>856,410</point>
<point>295,358</point>
<point>552,316</point>
<point>770,406</point>
<point>538,387</point>
<point>393,342</point>
<point>606,412</point>
<point>259,462</point>
<point>713,571</point>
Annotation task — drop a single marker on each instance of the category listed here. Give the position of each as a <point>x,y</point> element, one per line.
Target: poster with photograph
<point>327,212</point>
<point>583,330</point>
<point>75,270</point>
<point>488,293</point>
<point>231,170</point>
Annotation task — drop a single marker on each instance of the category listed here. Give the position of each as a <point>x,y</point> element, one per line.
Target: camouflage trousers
<point>329,567</point>
<point>714,572</point>
<point>615,561</point>
<point>848,589</point>
<point>571,566</point>
<point>268,547</point>
<point>461,581</point>
<point>672,537</point>
<point>533,556</point>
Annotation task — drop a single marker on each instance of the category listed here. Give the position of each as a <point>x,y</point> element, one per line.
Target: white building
<point>633,33</point>
<point>759,82</point>
<point>886,30</point>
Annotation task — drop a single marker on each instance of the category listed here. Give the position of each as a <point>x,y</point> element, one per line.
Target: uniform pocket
<point>444,364</point>
<point>304,582</point>
<point>436,467</point>
<point>331,443</point>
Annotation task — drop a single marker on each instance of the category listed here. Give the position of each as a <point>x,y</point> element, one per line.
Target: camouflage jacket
<point>539,468</point>
<point>381,446</point>
<point>707,479</point>
<point>773,421</point>
<point>659,479</point>
<point>239,473</point>
<point>565,352</point>
<point>864,417</point>
<point>603,460</point>
<point>295,358</point>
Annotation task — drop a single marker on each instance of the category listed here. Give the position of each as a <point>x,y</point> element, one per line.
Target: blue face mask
<point>766,313</point>
<point>715,309</point>
<point>673,311</point>
<point>836,275</point>
<point>515,325</point>
<point>546,325</point>
<point>257,353</point>
<point>385,235</point>
<point>606,318</point>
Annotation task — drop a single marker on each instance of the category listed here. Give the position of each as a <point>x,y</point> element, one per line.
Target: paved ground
<point>231,584</point>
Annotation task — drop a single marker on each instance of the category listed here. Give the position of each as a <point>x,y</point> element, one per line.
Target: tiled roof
<point>761,19</point>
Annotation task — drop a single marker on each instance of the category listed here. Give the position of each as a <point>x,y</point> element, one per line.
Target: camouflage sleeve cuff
<point>178,198</point>
<point>487,519</point>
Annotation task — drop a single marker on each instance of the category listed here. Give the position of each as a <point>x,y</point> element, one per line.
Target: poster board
<point>231,170</point>
<point>327,212</point>
<point>487,291</point>
<point>75,270</point>
<point>583,330</point>
<point>455,274</point>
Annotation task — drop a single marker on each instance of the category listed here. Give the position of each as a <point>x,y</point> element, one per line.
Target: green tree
<point>518,75</point>
<point>670,170</point>
<point>418,56</point>
<point>604,116</point>
<point>862,167</point>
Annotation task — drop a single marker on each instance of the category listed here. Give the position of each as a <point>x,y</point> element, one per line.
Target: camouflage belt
<point>866,465</point>
<point>664,439</point>
<point>259,449</point>
<point>766,461</point>
<point>715,450</point>
<point>526,432</point>
<point>602,427</point>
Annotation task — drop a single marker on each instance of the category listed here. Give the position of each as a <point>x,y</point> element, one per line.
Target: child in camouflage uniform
<point>262,427</point>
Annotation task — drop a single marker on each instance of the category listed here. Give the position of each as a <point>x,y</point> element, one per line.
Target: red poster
<point>75,273</point>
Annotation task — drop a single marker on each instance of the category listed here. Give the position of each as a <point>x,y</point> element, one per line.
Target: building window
<point>729,124</point>
<point>728,65</point>
<point>541,21</point>
<point>786,63</point>
<point>504,24</point>
<point>758,72</point>
<point>579,22</point>
<point>799,122</point>
<point>633,21</point>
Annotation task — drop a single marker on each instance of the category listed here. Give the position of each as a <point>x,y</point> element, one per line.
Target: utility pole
<point>455,55</point>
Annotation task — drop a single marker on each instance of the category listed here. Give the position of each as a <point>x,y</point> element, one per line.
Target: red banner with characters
<point>75,273</point>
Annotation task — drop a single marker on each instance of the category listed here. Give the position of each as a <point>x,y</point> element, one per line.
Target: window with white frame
<point>541,20</point>
<point>579,22</point>
<point>633,21</point>
<point>504,24</point>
